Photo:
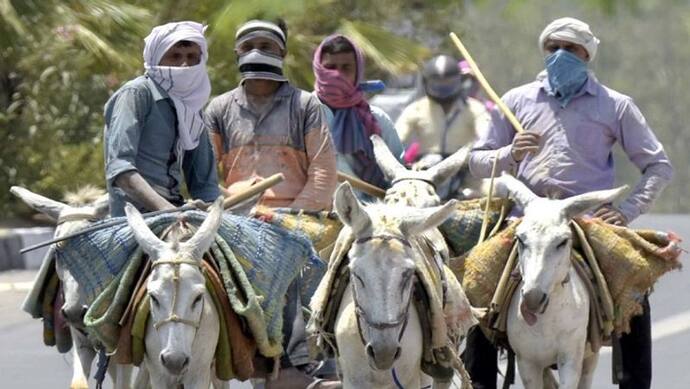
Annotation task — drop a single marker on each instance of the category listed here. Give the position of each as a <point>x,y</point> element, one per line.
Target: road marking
<point>16,286</point>
<point>664,328</point>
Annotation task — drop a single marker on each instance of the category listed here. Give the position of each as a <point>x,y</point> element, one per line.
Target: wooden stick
<point>253,190</point>
<point>362,185</point>
<point>228,202</point>
<point>506,111</point>
<point>485,84</point>
<point>224,191</point>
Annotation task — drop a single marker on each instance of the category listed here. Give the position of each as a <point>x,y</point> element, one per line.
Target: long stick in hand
<point>504,109</point>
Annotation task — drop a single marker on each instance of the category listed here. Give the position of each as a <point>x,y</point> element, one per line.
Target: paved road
<point>26,363</point>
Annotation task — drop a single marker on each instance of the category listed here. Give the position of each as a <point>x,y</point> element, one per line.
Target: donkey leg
<point>588,367</point>
<point>569,369</point>
<point>549,380</point>
<point>216,383</point>
<point>142,380</point>
<point>121,375</point>
<point>84,355</point>
<point>531,374</point>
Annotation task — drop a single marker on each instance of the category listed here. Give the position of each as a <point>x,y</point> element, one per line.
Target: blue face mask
<point>567,74</point>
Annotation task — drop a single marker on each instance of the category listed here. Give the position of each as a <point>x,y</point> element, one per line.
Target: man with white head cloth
<point>154,130</point>
<point>572,122</point>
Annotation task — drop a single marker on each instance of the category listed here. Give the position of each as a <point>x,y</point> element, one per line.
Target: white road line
<point>664,328</point>
<point>16,286</point>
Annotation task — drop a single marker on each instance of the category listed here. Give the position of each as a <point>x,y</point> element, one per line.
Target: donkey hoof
<point>79,384</point>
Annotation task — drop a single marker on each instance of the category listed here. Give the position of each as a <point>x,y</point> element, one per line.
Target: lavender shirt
<point>577,141</point>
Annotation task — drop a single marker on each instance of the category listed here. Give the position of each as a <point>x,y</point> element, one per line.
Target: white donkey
<point>85,206</point>
<point>378,332</point>
<point>183,329</point>
<point>548,318</point>
<point>415,188</point>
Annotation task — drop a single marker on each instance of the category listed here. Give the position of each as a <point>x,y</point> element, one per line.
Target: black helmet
<point>442,78</point>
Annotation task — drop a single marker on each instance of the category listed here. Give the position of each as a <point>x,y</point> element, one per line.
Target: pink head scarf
<point>338,93</point>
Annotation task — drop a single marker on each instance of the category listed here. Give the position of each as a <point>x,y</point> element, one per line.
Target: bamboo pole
<point>362,185</point>
<point>228,202</point>
<point>253,190</point>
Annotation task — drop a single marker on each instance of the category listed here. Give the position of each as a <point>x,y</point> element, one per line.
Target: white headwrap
<point>570,30</point>
<point>188,87</point>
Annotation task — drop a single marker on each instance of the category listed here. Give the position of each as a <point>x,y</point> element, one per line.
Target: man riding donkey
<point>339,69</point>
<point>572,122</point>
<point>439,123</point>
<point>263,127</point>
<point>154,130</point>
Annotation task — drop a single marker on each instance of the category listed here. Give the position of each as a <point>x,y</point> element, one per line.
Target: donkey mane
<point>85,195</point>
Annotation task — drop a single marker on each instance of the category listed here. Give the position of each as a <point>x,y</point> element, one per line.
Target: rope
<point>504,109</point>
<point>396,381</point>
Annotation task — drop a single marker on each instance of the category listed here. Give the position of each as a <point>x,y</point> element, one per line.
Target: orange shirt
<point>290,137</point>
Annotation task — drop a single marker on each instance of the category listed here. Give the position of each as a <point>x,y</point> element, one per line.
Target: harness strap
<point>509,378</point>
<point>616,359</point>
<point>176,263</point>
<point>77,216</point>
<point>384,238</point>
<point>401,179</point>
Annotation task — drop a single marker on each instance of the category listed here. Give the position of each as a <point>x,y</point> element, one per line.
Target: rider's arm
<point>388,132</point>
<point>122,136</point>
<point>317,193</point>
<point>136,187</point>
<point>496,141</point>
<point>646,152</point>
<point>199,167</point>
<point>406,123</point>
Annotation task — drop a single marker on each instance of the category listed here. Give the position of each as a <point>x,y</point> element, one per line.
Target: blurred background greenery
<point>61,59</point>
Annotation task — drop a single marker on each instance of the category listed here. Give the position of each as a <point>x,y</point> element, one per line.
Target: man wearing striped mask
<point>263,127</point>
<point>266,126</point>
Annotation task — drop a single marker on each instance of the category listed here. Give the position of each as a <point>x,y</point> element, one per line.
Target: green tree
<point>59,60</point>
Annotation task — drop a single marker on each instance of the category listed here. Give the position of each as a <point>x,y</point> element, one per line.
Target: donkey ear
<point>420,220</point>
<point>148,241</point>
<point>450,166</point>
<point>42,204</point>
<point>390,166</point>
<point>350,211</point>
<point>198,244</point>
<point>509,186</point>
<point>102,206</point>
<point>577,205</point>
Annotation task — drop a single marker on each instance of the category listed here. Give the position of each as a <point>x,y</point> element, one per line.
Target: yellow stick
<point>485,84</point>
<point>362,185</point>
<point>501,105</point>
<point>253,190</point>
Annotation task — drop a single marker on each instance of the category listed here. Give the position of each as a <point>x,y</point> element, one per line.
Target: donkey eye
<point>361,282</point>
<point>562,244</point>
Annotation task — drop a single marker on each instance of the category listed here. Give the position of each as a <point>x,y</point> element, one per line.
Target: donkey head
<point>79,213</point>
<point>544,239</point>
<point>411,187</point>
<point>176,287</point>
<point>382,267</point>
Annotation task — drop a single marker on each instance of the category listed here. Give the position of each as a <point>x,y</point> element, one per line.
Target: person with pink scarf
<point>339,69</point>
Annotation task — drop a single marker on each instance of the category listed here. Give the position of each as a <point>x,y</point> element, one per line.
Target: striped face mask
<point>261,65</point>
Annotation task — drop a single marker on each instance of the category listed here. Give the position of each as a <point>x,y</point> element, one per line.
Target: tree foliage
<point>61,59</point>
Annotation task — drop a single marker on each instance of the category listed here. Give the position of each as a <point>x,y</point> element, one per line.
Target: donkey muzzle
<point>174,362</point>
<point>382,357</point>
<point>74,313</point>
<point>535,300</point>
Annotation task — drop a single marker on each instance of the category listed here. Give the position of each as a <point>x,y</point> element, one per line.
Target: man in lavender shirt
<point>571,123</point>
